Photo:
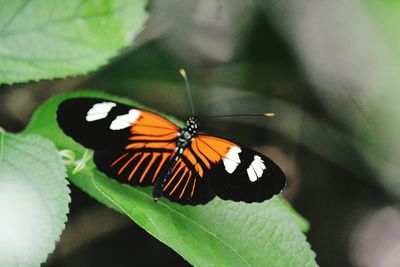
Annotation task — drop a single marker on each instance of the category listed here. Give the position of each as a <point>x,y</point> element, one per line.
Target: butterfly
<point>141,148</point>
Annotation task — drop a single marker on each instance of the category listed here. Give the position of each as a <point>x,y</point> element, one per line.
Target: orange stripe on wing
<point>199,169</point>
<point>150,123</point>
<point>127,163</point>
<point>196,149</point>
<point>173,177</point>
<point>118,159</point>
<point>184,188</point>
<point>215,148</point>
<point>165,156</point>
<point>216,140</point>
<point>189,155</point>
<point>137,166</point>
<point>151,144</point>
<point>171,134</point>
<point>209,151</point>
<point>179,182</point>
<point>194,185</point>
<point>153,158</point>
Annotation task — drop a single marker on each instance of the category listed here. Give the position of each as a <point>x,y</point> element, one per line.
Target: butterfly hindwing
<point>133,166</point>
<point>187,185</point>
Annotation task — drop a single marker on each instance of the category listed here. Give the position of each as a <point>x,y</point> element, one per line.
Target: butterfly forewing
<point>98,123</point>
<point>88,120</point>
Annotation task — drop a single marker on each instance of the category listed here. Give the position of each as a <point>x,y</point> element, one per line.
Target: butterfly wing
<point>131,145</point>
<point>213,166</point>
<point>97,123</point>
<point>188,183</point>
<point>239,173</point>
<point>133,166</point>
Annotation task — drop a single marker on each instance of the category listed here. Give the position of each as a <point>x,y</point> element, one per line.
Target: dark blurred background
<point>327,70</point>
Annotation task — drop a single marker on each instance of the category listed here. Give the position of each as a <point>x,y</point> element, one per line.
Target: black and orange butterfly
<point>139,147</point>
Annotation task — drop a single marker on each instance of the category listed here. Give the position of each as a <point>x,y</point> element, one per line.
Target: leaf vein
<point>14,16</point>
<point>39,28</point>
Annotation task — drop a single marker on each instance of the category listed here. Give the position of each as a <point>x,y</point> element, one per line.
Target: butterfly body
<point>184,139</point>
<point>140,148</point>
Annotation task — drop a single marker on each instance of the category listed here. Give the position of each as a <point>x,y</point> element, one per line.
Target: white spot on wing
<point>256,168</point>
<point>252,175</point>
<point>232,160</point>
<point>124,121</point>
<point>99,111</point>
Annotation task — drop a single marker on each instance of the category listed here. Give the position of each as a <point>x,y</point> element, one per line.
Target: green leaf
<point>34,199</point>
<point>49,39</point>
<point>221,233</point>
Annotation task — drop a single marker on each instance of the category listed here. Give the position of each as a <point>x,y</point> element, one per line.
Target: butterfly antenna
<point>183,73</point>
<point>268,114</point>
